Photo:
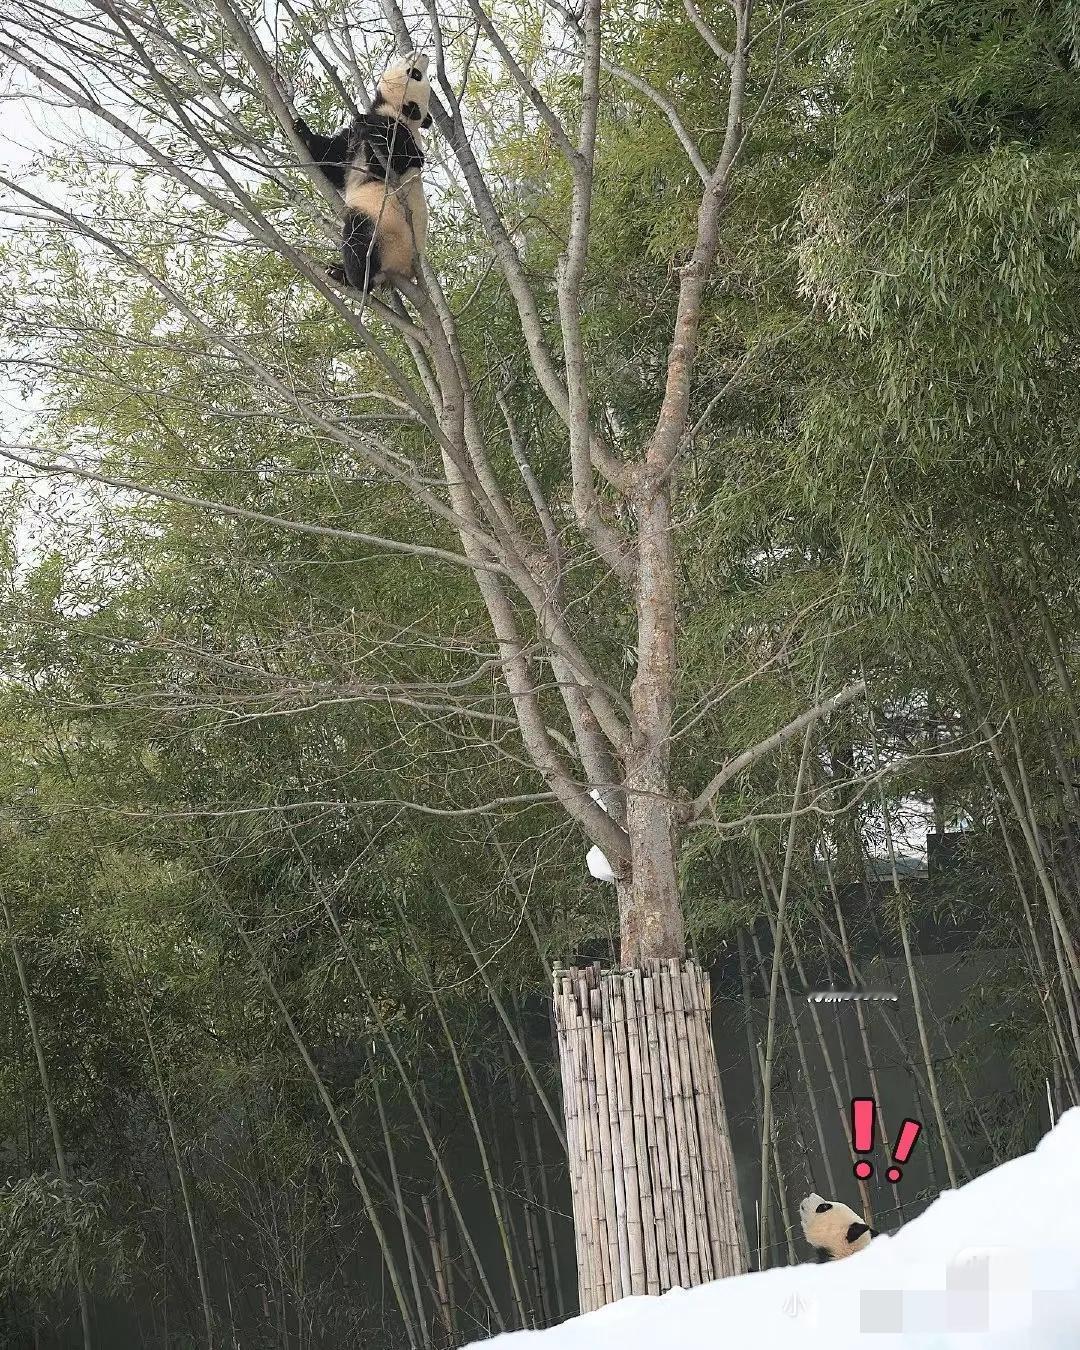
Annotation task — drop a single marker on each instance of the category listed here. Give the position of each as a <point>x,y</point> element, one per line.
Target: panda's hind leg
<point>360,251</point>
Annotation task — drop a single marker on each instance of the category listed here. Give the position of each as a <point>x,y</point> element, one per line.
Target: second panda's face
<point>832,1228</point>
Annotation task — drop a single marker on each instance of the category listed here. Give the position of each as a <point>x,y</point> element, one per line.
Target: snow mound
<point>994,1265</point>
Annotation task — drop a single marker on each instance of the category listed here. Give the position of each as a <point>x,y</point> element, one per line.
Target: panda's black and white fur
<point>375,163</point>
<point>832,1229</point>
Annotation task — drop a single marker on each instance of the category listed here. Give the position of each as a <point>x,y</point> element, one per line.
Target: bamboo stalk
<point>902,1039</point>
<point>526,1313</point>
<point>1050,634</point>
<point>474,1122</point>
<point>500,1008</point>
<point>766,883</point>
<point>733,1256</point>
<point>444,1247</point>
<point>414,1102</point>
<point>386,1189</point>
<point>754,1060</point>
<point>438,1265</point>
<point>554,1287</point>
<point>774,982</point>
<point>1047,1001</point>
<point>839,1100</point>
<point>532,1226</point>
<point>1028,824</point>
<point>399,1204</point>
<point>174,1141</point>
<point>1059,930</point>
<point>860,1016</point>
<point>554,1262</point>
<point>805,1151</point>
<point>57,1139</point>
<point>336,1124</point>
<point>778,1171</point>
<point>920,1022</point>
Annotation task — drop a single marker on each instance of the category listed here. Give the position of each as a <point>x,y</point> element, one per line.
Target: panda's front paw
<point>302,129</point>
<point>336,273</point>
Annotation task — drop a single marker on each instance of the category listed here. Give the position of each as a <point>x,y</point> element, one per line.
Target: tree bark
<point>650,915</point>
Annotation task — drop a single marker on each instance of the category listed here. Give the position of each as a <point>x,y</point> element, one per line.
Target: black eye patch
<point>416,74</point>
<point>411,111</point>
<point>823,1207</point>
<point>427,121</point>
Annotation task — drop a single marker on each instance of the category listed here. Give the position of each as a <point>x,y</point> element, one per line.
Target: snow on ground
<point>994,1265</point>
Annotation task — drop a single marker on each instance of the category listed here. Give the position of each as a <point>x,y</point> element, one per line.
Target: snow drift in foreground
<point>992,1266</point>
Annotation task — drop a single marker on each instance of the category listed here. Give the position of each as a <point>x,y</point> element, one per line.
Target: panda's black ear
<point>873,1232</point>
<point>856,1230</point>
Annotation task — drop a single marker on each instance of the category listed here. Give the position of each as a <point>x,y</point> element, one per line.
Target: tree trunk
<point>652,1175</point>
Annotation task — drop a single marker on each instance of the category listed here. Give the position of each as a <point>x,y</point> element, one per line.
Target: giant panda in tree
<point>375,163</point>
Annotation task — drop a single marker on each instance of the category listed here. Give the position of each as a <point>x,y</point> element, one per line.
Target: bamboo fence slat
<point>651,1169</point>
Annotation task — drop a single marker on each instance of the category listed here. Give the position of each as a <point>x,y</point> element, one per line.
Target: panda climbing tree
<point>376,163</point>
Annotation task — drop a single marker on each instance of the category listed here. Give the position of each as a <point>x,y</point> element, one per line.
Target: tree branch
<point>736,766</point>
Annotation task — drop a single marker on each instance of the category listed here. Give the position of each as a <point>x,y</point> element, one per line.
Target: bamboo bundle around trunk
<point>651,1169</point>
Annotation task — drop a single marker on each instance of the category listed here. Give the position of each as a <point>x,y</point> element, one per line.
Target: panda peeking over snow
<point>832,1229</point>
<point>375,162</point>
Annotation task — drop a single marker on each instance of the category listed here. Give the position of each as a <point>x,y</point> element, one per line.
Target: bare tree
<point>653,1181</point>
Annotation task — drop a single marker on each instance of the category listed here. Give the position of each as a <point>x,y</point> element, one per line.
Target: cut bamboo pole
<point>651,1170</point>
<point>602,1160</point>
<point>689,1160</point>
<point>640,1093</point>
<point>635,1238</point>
<point>696,1004</point>
<point>666,1250</point>
<point>668,1121</point>
<point>602,1009</point>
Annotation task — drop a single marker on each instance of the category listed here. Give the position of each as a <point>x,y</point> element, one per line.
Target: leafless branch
<point>748,757</point>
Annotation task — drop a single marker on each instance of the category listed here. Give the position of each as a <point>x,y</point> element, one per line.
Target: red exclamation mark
<point>862,1134</point>
<point>909,1132</point>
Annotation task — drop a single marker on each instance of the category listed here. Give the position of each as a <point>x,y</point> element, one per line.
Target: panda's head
<point>404,91</point>
<point>832,1229</point>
